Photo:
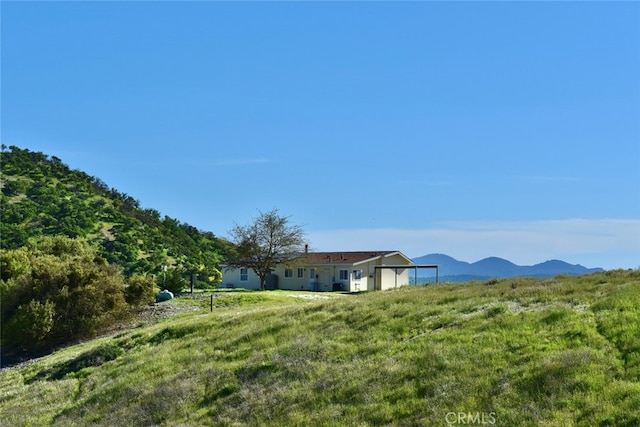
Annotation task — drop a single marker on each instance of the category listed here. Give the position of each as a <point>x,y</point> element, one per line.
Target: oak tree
<point>266,242</point>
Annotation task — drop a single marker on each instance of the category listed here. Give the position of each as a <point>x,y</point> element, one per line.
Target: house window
<point>357,274</point>
<point>300,273</point>
<point>344,274</point>
<point>288,272</point>
<point>312,273</point>
<point>244,274</point>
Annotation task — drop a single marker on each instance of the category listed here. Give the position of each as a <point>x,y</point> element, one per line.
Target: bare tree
<point>269,240</point>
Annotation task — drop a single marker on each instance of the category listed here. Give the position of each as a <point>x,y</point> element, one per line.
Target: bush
<point>140,290</point>
<point>29,329</point>
<point>57,290</point>
<point>172,281</point>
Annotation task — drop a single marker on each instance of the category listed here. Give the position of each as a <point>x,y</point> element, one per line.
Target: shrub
<point>140,290</point>
<point>31,325</point>
<point>172,281</point>
<point>61,291</point>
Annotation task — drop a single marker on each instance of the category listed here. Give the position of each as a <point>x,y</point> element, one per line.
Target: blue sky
<point>473,129</point>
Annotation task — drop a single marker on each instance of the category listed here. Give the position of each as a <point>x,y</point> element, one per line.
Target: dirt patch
<point>163,310</point>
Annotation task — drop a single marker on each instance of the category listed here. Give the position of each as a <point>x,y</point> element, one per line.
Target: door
<point>313,279</point>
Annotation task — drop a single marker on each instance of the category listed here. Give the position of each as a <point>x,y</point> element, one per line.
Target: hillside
<point>43,196</point>
<point>453,270</point>
<point>525,352</point>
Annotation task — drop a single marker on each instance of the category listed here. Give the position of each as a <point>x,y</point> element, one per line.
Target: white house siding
<point>393,278</point>
<point>293,283</point>
<point>231,278</point>
<point>324,278</point>
<point>384,278</point>
<point>329,273</point>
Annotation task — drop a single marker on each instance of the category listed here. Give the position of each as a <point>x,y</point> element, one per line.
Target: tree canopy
<point>41,196</point>
<point>267,241</point>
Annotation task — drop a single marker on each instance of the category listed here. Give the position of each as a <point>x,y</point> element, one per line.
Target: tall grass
<point>555,352</point>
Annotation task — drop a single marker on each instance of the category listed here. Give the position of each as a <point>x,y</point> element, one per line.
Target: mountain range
<point>453,270</point>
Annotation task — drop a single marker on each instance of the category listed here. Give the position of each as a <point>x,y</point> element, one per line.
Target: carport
<point>415,268</point>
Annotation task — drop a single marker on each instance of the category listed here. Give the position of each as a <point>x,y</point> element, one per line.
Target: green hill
<point>43,196</point>
<point>510,352</point>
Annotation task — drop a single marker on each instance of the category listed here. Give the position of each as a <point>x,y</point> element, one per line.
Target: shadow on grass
<point>95,357</point>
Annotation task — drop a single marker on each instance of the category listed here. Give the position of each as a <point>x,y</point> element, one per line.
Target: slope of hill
<point>516,352</point>
<point>451,269</point>
<point>42,196</point>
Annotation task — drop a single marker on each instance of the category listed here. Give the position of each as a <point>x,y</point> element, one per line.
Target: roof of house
<point>344,257</point>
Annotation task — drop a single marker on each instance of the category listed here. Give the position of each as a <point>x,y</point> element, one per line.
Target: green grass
<point>557,352</point>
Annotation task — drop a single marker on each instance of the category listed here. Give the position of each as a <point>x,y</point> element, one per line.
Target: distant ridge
<point>453,270</point>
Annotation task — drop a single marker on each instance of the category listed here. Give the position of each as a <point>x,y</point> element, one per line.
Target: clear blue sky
<point>473,129</point>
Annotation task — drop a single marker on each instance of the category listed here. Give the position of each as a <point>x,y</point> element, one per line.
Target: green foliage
<point>14,263</point>
<point>30,327</point>
<point>546,352</point>
<point>57,289</point>
<point>42,196</point>
<point>618,318</point>
<point>140,290</point>
<point>495,311</point>
<point>172,280</point>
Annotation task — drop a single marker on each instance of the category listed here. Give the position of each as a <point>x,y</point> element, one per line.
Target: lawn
<point>527,352</point>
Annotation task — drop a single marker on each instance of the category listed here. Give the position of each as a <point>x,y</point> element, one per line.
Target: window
<point>312,273</point>
<point>244,274</point>
<point>300,273</point>
<point>357,274</point>
<point>288,272</point>
<point>344,274</point>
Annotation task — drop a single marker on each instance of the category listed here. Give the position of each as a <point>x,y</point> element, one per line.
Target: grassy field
<point>512,352</point>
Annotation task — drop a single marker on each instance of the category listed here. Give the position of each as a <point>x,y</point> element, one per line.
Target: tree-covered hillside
<point>43,196</point>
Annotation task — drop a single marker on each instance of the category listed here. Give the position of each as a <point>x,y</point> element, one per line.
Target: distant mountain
<point>450,269</point>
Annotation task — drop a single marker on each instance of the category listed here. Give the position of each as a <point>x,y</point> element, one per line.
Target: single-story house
<point>330,271</point>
